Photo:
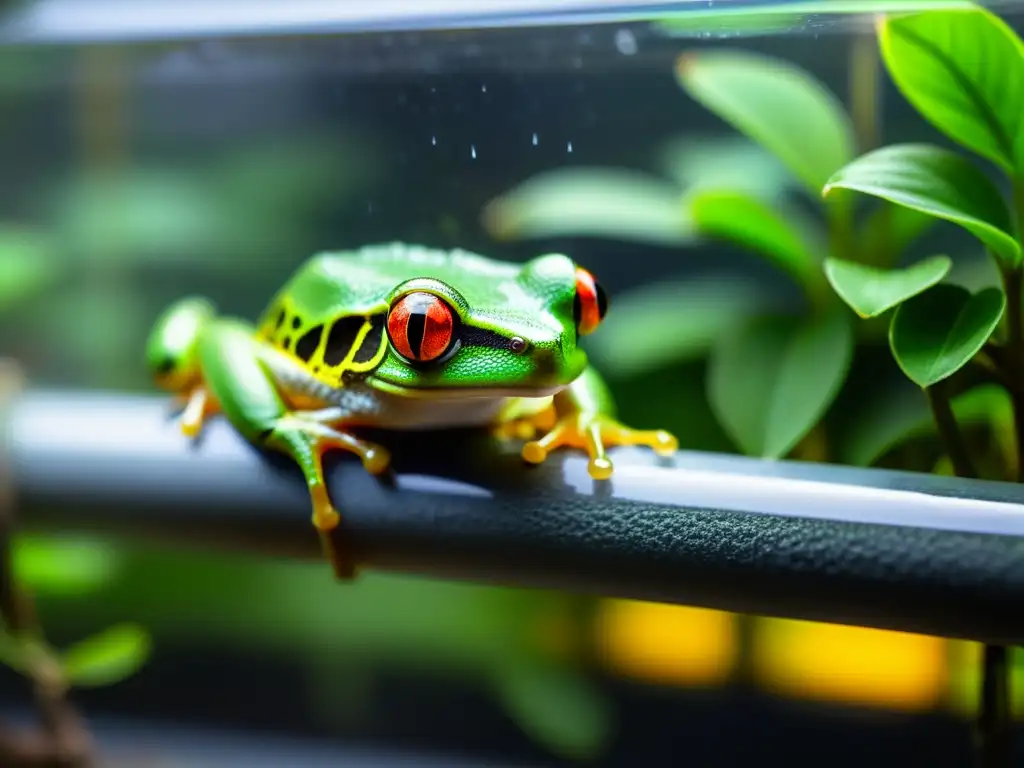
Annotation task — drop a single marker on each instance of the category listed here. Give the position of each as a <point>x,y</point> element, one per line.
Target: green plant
<point>963,70</point>
<point>27,268</point>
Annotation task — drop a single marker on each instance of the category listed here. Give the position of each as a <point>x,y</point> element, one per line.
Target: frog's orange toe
<point>600,468</point>
<point>376,460</point>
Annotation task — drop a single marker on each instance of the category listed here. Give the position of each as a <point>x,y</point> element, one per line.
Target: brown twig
<point>62,740</point>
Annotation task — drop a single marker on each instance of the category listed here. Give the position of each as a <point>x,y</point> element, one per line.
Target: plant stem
<point>865,106</point>
<point>994,724</point>
<point>1013,285</point>
<point>62,741</point>
<point>949,432</point>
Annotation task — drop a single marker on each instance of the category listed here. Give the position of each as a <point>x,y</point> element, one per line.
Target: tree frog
<point>399,336</point>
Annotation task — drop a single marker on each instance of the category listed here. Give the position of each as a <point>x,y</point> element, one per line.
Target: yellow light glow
<point>667,643</point>
<point>875,667</point>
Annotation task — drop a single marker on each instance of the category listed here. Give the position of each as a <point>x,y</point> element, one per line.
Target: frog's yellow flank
<point>400,336</point>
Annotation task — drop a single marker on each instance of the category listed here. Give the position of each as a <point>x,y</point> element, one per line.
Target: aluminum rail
<point>894,550</point>
<point>128,21</point>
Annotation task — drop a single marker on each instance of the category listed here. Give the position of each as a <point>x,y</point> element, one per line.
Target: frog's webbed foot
<point>594,433</point>
<point>526,427</point>
<point>306,440</point>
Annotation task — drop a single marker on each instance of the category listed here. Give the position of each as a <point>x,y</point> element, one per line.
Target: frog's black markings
<point>296,322</point>
<point>340,339</point>
<point>307,344</point>
<point>280,320</point>
<point>371,343</point>
<point>286,342</point>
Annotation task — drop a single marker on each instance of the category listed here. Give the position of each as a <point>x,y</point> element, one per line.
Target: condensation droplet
<point>483,88</point>
<point>535,139</point>
<point>568,147</point>
<point>472,151</point>
<point>625,42</point>
<point>433,141</point>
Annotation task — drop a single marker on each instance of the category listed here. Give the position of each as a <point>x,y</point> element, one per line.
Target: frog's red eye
<point>420,326</point>
<point>590,304</point>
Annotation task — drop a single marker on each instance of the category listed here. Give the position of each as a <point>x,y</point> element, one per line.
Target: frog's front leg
<point>584,417</point>
<point>197,406</point>
<point>238,378</point>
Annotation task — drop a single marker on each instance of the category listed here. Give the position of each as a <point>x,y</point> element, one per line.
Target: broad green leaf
<point>871,291</point>
<point>755,225</point>
<point>893,417</point>
<point>775,103</point>
<point>12,652</point>
<point>28,264</point>
<point>771,382</point>
<point>936,333</point>
<point>888,230</point>
<point>63,566</point>
<point>591,202</point>
<point>728,161</point>
<point>557,707</point>
<point>108,657</point>
<point>963,70</point>
<point>689,314</point>
<point>938,182</point>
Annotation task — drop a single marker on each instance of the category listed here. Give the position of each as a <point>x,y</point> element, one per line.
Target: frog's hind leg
<point>240,381</point>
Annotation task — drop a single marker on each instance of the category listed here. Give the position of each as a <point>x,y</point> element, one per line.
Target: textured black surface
<point>877,548</point>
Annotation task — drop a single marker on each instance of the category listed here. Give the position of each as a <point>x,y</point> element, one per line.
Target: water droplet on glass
<point>625,41</point>
<point>483,88</point>
<point>433,141</point>
<point>568,147</point>
<point>535,139</point>
<point>472,151</point>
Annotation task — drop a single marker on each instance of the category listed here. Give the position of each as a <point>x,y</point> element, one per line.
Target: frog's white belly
<point>370,407</point>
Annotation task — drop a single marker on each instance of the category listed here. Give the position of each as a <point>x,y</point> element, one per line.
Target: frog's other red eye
<point>591,303</point>
<point>420,326</point>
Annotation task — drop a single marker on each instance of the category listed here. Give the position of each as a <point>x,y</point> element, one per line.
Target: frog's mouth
<point>455,392</point>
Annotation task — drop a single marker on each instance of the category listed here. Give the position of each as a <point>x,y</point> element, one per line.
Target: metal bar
<point>127,21</point>
<point>895,550</point>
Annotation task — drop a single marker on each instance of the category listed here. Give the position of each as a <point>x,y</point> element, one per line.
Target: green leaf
<point>938,182</point>
<point>771,382</point>
<point>775,103</point>
<point>557,707</point>
<point>694,312</point>
<point>870,291</point>
<point>963,70</point>
<point>753,224</point>
<point>936,333</point>
<point>63,565</point>
<point>28,265</point>
<point>108,657</point>
<point>889,230</point>
<point>591,202</point>
<point>728,161</point>
<point>12,652</point>
<point>893,417</point>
